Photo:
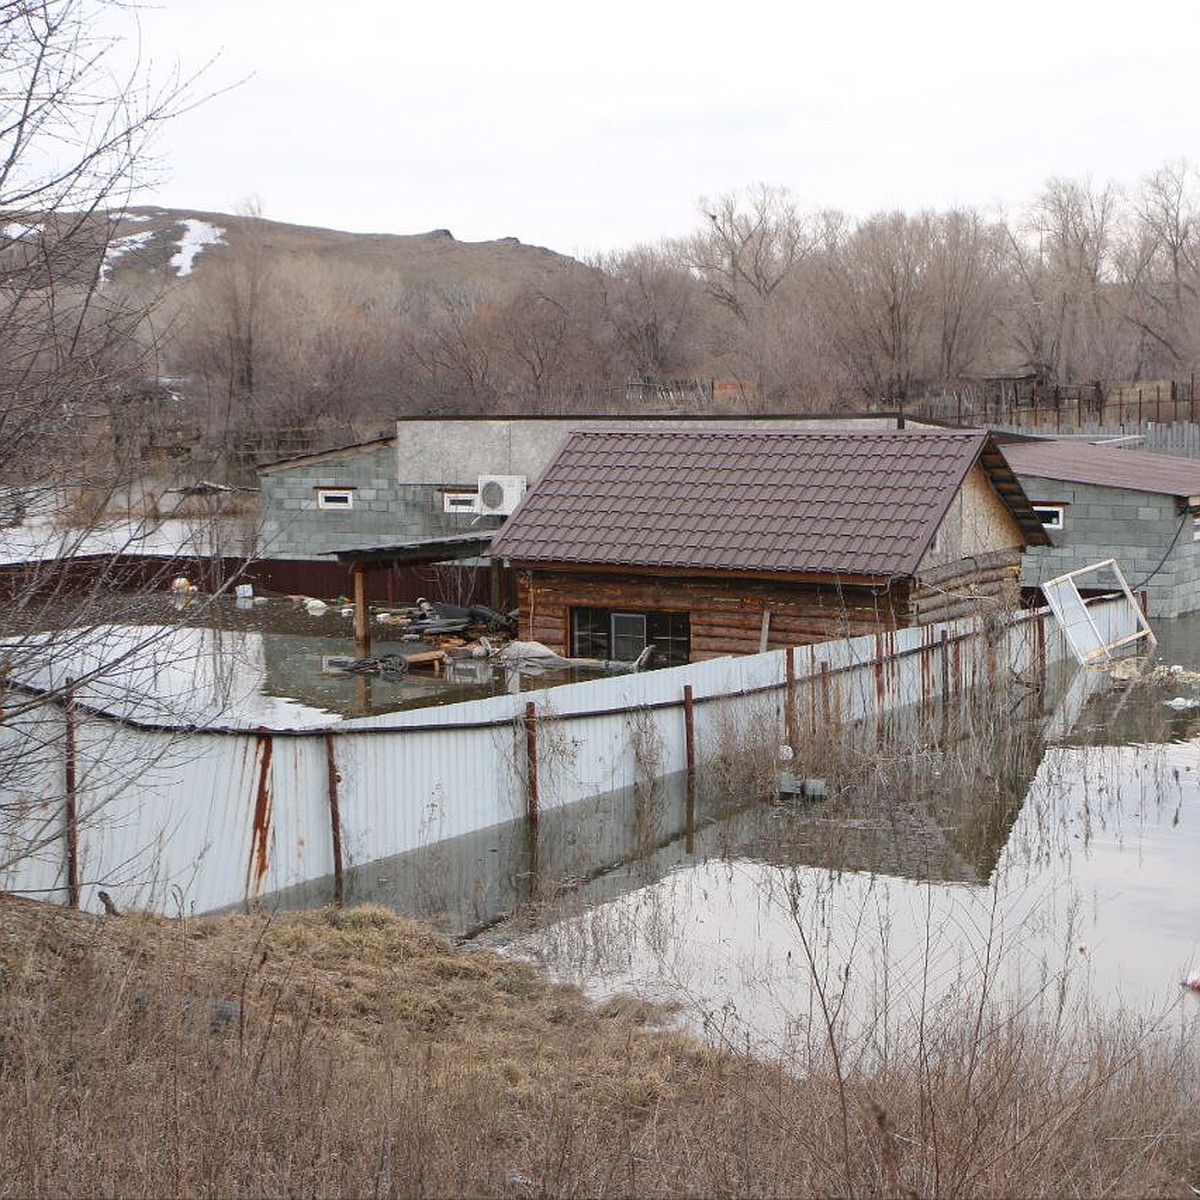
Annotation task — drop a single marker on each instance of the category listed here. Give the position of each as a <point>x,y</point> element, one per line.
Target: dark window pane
<point>589,633</point>
<point>628,636</point>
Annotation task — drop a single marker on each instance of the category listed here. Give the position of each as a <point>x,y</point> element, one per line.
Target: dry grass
<point>356,1053</point>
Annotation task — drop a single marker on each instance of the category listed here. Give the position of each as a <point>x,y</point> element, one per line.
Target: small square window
<point>1052,516</point>
<point>335,499</point>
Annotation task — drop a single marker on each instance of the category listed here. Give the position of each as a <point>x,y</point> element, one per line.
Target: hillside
<point>152,246</point>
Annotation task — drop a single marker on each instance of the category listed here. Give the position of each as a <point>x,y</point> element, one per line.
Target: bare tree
<point>1159,264</point>
<point>1062,261</point>
<point>652,305</point>
<point>966,286</point>
<point>747,255</point>
<point>75,132</point>
<point>878,302</point>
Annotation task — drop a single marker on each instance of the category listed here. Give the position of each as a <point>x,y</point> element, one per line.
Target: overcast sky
<point>594,128</point>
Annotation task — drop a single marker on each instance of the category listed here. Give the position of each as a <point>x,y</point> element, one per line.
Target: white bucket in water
<point>244,591</point>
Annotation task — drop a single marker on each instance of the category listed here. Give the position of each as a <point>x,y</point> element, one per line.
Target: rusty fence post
<point>70,805</point>
<point>689,741</point>
<point>259,861</point>
<point>789,697</point>
<point>531,763</point>
<point>335,819</point>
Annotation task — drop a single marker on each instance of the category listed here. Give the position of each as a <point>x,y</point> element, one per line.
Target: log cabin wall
<point>986,583</point>
<point>726,615</point>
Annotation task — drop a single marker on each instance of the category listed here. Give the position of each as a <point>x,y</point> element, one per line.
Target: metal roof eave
<point>423,550</point>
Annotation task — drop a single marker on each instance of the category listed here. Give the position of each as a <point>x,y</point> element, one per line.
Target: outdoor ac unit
<point>500,494</point>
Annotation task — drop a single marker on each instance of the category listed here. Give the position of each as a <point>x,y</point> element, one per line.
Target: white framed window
<point>335,499</point>
<point>460,502</point>
<point>1052,516</point>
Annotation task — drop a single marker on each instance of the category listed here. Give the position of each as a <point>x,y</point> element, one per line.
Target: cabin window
<point>622,635</point>
<point>335,499</point>
<point>1052,516</point>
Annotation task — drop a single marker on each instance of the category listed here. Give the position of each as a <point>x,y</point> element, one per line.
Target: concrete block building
<point>1102,501</point>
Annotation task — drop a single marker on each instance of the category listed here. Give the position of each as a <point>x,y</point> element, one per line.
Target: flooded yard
<point>1029,849</point>
<point>1049,879</point>
<point>255,662</point>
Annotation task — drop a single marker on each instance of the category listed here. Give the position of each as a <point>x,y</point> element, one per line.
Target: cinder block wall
<point>385,512</point>
<point>1144,531</point>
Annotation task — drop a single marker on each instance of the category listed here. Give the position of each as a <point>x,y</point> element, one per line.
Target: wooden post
<point>494,579</point>
<point>335,818</point>
<point>70,813</point>
<point>1039,630</point>
<point>764,631</point>
<point>362,620</point>
<point>689,730</point>
<point>689,741</point>
<point>789,697</point>
<point>531,763</point>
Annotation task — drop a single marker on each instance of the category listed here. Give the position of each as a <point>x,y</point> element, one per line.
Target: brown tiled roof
<point>1111,466</point>
<point>811,503</point>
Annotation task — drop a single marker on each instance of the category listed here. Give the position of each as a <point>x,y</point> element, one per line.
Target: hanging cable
<point>1187,512</point>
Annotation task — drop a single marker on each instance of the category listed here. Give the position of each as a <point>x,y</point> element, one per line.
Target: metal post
<point>335,818</point>
<point>531,763</point>
<point>689,741</point>
<point>789,696</point>
<point>70,813</point>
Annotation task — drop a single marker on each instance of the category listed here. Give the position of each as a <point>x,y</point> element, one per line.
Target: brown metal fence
<point>1066,407</point>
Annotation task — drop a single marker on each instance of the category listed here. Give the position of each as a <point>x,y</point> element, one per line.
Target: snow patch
<point>121,246</point>
<point>196,235</point>
<point>15,231</point>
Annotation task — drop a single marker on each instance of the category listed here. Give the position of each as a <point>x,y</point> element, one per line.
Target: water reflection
<point>1051,880</point>
<point>1038,858</point>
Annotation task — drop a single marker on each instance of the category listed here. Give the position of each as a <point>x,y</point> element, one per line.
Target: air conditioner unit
<point>500,494</point>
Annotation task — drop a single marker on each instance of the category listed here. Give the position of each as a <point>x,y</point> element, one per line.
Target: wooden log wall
<point>726,617</point>
<point>973,587</point>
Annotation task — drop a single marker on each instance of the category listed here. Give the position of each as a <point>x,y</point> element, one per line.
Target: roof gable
<point>810,503</point>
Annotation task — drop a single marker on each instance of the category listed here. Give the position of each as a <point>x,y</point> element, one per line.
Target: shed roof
<point>318,456</point>
<point>419,550</point>
<point>1110,466</point>
<point>845,503</point>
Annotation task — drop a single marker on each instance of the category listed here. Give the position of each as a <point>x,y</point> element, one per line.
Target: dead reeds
<point>355,1053</point>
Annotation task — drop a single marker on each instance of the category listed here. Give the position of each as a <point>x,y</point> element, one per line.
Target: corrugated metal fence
<point>198,820</point>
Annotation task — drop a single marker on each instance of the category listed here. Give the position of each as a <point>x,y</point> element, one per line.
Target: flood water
<point>1047,878</point>
<point>1043,864</point>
